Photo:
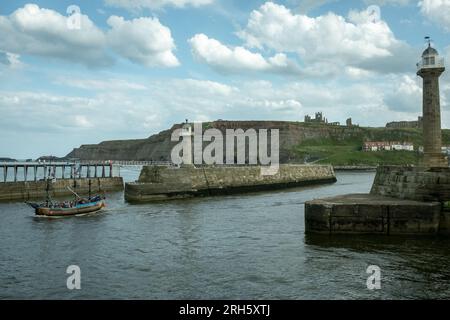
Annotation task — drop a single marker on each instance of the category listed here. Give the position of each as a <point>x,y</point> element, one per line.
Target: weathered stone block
<point>367,213</point>
<point>422,184</point>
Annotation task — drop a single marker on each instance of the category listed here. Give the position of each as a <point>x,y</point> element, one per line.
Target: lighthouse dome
<point>430,59</point>
<point>430,52</point>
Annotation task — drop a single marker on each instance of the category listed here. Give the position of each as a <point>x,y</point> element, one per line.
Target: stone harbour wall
<point>413,183</point>
<point>369,214</point>
<point>161,183</point>
<point>37,189</point>
<point>403,200</point>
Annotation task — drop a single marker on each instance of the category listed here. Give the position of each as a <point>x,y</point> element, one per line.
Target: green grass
<point>349,152</point>
<point>373,158</point>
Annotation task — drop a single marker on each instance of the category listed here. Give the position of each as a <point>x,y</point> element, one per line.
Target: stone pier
<point>403,200</point>
<point>27,190</point>
<point>373,214</point>
<point>164,183</point>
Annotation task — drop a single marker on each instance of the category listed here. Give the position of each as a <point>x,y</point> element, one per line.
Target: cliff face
<point>159,146</point>
<point>156,148</point>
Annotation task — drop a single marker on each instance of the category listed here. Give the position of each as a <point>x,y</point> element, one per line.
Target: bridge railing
<point>13,172</point>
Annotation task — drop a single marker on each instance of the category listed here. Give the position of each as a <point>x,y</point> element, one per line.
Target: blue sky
<point>134,68</point>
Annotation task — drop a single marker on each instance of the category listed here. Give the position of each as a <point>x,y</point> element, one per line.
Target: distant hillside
<point>299,142</point>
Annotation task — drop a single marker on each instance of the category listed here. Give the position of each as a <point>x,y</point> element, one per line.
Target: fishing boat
<point>68,208</point>
<point>77,206</point>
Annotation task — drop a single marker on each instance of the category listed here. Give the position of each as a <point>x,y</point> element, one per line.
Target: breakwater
<point>355,168</point>
<point>402,200</point>
<point>25,190</point>
<point>163,183</point>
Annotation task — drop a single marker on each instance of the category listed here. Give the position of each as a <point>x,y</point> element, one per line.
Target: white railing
<point>438,63</point>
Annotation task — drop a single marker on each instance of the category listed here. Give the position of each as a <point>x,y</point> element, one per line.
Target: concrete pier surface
<point>23,190</point>
<point>158,183</point>
<point>374,214</point>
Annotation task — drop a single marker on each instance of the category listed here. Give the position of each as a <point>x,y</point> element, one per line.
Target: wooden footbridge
<point>34,171</point>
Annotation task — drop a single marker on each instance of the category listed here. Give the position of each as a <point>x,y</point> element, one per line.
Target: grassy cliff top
<point>299,142</point>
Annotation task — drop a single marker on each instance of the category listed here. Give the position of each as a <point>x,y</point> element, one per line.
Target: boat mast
<point>75,187</point>
<point>47,190</point>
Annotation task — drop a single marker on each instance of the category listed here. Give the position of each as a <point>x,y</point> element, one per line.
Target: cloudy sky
<point>129,69</point>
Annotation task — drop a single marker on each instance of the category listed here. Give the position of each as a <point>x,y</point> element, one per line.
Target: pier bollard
<point>15,173</point>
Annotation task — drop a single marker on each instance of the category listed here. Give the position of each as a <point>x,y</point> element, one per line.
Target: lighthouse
<point>430,69</point>
<point>187,134</point>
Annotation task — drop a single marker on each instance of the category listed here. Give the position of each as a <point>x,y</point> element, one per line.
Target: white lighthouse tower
<point>187,134</point>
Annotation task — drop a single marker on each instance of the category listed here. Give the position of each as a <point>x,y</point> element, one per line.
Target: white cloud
<point>237,59</point>
<point>44,32</point>
<point>369,103</point>
<point>357,41</point>
<point>437,11</point>
<point>305,6</point>
<point>406,96</point>
<point>143,41</point>
<point>108,113</point>
<point>388,2</point>
<point>10,60</point>
<point>206,86</point>
<point>156,4</point>
<point>100,85</point>
<point>122,113</point>
<point>200,99</point>
<point>82,121</point>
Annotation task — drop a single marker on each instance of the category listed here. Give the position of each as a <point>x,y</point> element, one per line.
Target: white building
<point>387,146</point>
<point>404,147</point>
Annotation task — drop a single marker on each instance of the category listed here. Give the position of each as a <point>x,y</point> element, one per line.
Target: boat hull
<point>61,212</point>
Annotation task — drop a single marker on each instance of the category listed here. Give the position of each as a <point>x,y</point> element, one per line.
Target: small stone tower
<point>430,69</point>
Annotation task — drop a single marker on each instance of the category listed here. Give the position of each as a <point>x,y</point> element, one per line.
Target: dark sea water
<point>249,246</point>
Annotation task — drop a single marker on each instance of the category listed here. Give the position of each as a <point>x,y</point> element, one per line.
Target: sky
<point>80,72</point>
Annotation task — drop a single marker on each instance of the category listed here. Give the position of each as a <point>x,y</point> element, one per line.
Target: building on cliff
<point>319,118</point>
<point>387,146</point>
